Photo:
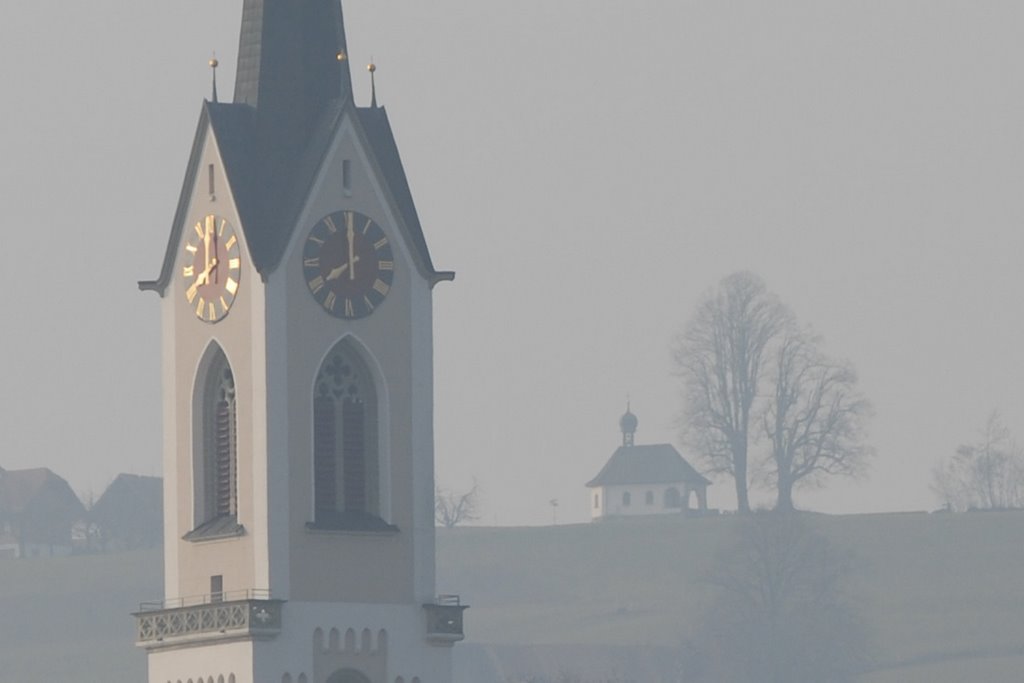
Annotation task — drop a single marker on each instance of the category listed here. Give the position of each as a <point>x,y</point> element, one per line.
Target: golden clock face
<point>212,268</point>
<point>348,264</point>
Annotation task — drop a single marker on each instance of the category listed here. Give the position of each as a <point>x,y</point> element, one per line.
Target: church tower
<point>296,299</point>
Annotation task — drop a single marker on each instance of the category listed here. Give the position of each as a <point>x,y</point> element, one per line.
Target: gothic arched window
<point>216,445</point>
<point>346,462</point>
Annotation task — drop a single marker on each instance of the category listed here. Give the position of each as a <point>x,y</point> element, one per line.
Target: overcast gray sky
<point>589,169</point>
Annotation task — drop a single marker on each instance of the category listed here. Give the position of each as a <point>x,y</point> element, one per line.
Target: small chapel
<point>649,479</point>
<point>297,370</point>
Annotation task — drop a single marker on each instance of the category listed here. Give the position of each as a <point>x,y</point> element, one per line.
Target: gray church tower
<point>296,300</point>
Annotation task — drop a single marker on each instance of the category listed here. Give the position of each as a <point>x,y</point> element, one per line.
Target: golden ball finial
<point>214,63</point>
<point>371,67</point>
<point>341,56</point>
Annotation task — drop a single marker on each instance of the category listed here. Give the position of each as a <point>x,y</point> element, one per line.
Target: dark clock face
<point>348,264</point>
<point>212,268</point>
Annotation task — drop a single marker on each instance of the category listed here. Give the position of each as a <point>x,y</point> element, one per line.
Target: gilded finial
<point>372,68</point>
<point>341,56</point>
<point>213,67</point>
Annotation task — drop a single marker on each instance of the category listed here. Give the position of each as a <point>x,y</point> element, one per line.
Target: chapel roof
<point>647,464</point>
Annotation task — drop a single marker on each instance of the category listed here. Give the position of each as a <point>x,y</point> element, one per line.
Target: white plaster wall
<point>611,500</point>
<point>188,566</point>
<point>200,663</point>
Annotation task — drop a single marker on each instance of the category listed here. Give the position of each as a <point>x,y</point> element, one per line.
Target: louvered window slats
<point>353,447</point>
<point>225,458</point>
<point>324,445</point>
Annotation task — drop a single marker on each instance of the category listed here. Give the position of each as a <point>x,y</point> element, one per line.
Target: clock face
<point>348,264</point>
<point>212,268</point>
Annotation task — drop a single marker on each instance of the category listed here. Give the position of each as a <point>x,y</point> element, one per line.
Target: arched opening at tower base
<point>347,676</point>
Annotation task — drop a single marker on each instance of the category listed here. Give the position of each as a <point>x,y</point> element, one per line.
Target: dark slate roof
<point>377,129</point>
<point>654,464</point>
<point>287,57</point>
<point>291,93</point>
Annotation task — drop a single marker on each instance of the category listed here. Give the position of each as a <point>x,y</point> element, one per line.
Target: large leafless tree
<point>985,475</point>
<point>814,419</point>
<point>719,357</point>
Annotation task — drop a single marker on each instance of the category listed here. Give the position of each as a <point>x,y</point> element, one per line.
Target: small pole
<point>213,66</point>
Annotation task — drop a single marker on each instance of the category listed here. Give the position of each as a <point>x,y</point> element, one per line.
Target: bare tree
<point>452,508</point>
<point>719,358</point>
<point>781,614</point>
<point>986,475</point>
<point>815,420</point>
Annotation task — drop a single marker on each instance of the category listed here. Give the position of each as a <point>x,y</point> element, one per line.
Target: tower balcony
<point>444,620</point>
<point>202,619</point>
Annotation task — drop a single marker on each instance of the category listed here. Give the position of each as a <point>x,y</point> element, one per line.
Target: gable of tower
<point>222,127</point>
<point>234,130</point>
<point>364,132</point>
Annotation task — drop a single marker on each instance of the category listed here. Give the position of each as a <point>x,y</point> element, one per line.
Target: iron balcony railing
<point>197,619</point>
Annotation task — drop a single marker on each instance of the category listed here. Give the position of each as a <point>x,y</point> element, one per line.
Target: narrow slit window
<point>210,181</point>
<point>346,175</point>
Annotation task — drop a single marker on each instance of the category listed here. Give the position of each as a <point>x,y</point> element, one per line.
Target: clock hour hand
<point>202,279</point>
<point>340,270</point>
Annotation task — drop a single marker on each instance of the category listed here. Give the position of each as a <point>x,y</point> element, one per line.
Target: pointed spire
<point>213,67</point>
<point>288,55</point>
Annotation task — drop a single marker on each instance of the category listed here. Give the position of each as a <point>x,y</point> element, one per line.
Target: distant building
<point>37,511</point>
<point>129,514</point>
<point>645,480</point>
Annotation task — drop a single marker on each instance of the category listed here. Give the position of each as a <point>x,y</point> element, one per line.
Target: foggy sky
<point>589,169</point>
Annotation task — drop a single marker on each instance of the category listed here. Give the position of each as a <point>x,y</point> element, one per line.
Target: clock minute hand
<point>352,258</point>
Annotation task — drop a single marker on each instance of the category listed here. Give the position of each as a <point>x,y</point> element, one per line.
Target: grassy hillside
<point>931,587</point>
<point>941,593</point>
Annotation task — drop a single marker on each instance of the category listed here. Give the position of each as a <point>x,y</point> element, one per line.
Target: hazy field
<point>943,595</point>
